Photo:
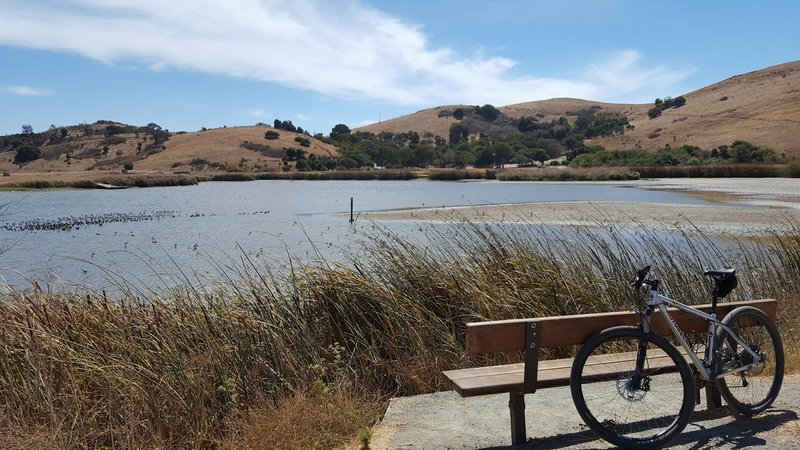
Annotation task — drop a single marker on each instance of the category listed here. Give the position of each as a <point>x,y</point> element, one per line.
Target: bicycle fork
<point>639,381</point>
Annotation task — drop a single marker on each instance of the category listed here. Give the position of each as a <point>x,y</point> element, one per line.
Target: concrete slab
<point>443,420</point>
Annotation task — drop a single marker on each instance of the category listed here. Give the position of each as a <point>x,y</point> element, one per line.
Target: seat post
<point>714,298</point>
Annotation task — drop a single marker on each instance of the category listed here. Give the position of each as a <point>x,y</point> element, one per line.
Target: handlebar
<point>640,278</point>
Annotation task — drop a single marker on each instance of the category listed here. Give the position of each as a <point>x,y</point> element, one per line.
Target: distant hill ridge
<point>108,145</point>
<point>761,107</point>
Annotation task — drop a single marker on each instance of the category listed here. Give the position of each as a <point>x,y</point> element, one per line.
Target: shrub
<point>26,153</point>
<point>488,112</point>
<point>793,170</point>
<point>128,166</point>
<point>272,135</point>
<point>114,129</point>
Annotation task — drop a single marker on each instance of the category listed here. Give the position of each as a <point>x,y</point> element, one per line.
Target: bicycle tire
<point>603,397</point>
<point>754,390</point>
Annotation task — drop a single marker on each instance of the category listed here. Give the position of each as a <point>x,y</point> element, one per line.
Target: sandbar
<point>737,207</point>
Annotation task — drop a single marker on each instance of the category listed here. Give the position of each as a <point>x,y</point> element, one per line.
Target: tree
<point>271,135</point>
<point>301,165</point>
<point>458,113</point>
<point>339,131</point>
<point>348,163</point>
<point>159,134</point>
<point>26,152</point>
<point>463,158</point>
<point>488,112</point>
<point>27,129</point>
<point>288,126</point>
<point>458,133</point>
<point>502,152</point>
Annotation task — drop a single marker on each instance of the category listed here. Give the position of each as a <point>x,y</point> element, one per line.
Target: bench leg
<point>516,403</point>
<point>713,397</point>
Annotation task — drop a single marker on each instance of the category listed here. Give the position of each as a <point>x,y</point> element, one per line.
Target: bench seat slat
<point>552,373</point>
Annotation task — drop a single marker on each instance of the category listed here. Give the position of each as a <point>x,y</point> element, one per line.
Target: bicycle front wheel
<point>752,390</point>
<point>646,415</point>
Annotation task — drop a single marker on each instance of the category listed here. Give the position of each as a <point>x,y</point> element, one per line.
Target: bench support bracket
<point>516,403</point>
<point>531,356</point>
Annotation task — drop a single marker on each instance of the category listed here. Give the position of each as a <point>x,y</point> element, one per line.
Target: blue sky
<point>208,63</point>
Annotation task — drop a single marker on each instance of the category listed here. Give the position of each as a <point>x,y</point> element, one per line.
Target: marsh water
<point>157,236</point>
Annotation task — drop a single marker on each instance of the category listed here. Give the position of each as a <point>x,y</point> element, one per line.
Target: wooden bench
<point>529,335</point>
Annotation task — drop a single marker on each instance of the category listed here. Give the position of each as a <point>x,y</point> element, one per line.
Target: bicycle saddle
<point>721,273</point>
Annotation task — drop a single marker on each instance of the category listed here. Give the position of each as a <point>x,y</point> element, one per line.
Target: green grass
<point>201,366</point>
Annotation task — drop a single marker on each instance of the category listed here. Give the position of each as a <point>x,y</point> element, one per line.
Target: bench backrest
<point>559,331</point>
<point>529,335</point>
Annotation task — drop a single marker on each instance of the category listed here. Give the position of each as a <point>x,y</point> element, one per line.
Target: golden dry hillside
<point>761,107</point>
<point>109,146</point>
<point>230,146</point>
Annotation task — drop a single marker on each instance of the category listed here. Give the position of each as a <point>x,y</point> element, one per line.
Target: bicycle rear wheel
<point>644,416</point>
<point>754,389</point>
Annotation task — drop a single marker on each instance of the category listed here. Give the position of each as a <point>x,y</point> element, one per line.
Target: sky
<point>187,64</point>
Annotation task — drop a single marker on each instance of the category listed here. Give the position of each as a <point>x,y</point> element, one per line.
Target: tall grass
<point>569,174</point>
<point>197,367</point>
<point>461,174</point>
<point>715,171</point>
<point>90,181</point>
<point>387,174</point>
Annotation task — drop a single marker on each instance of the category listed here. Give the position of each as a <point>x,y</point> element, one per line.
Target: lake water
<point>144,235</point>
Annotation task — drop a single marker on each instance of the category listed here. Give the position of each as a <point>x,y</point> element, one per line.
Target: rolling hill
<point>110,146</point>
<point>761,107</point>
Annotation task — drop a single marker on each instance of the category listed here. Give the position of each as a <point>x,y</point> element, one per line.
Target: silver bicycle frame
<point>703,366</point>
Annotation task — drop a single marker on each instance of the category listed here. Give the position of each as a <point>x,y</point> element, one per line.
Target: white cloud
<point>343,49</point>
<point>366,122</point>
<point>257,113</point>
<point>623,77</point>
<point>26,91</point>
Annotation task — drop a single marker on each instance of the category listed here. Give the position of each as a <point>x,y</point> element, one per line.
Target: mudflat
<point>739,207</point>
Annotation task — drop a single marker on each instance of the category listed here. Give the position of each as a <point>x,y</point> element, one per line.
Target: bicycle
<point>650,395</point>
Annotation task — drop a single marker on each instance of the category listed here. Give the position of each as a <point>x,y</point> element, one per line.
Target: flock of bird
<point>68,223</point>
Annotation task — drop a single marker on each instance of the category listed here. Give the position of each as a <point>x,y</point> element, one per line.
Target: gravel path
<point>444,420</point>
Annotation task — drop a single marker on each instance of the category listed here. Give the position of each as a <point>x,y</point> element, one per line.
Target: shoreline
<point>740,207</point>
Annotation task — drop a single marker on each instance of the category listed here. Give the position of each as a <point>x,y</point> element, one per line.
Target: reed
<point>461,174</point>
<point>90,181</point>
<point>211,366</point>
<point>568,174</point>
<point>714,171</point>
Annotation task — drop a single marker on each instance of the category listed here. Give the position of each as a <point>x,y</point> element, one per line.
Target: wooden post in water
<point>351,211</point>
